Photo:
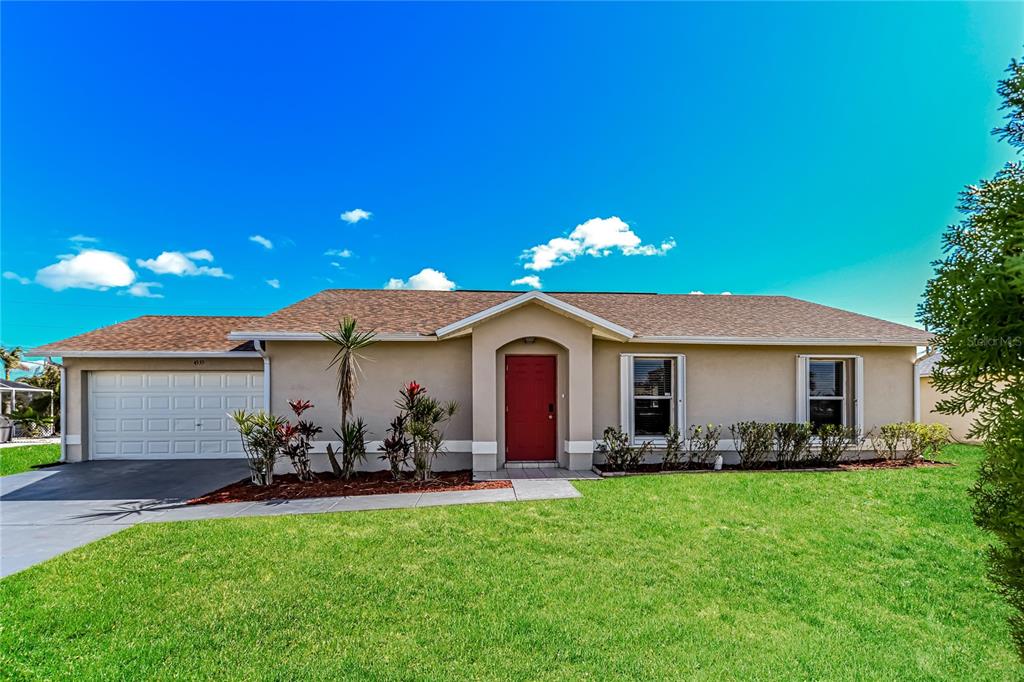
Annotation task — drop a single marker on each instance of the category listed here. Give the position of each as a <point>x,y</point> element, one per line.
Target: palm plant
<point>11,359</point>
<point>349,341</point>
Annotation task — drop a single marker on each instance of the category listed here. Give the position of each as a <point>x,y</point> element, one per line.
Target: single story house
<point>538,376</point>
<point>959,424</point>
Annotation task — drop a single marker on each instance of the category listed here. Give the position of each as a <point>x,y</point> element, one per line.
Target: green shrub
<point>673,448</point>
<point>792,444</point>
<point>833,441</point>
<point>753,442</point>
<point>620,454</point>
<point>702,442</point>
<point>926,440</point>
<point>891,440</point>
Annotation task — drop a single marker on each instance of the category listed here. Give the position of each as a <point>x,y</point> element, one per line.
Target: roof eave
<point>58,353</point>
<point>778,341</point>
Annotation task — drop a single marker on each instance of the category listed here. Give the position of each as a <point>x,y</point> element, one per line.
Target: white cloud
<point>596,237</point>
<point>340,253</point>
<point>528,280</point>
<point>142,290</point>
<point>726,293</point>
<point>355,215</point>
<point>262,241</point>
<point>696,293</point>
<point>182,264</point>
<point>275,283</point>
<point>17,278</point>
<point>427,278</point>
<point>90,269</point>
<point>81,238</point>
<point>337,265</point>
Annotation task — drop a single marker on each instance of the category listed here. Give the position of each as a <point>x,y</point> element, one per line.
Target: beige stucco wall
<point>299,371</point>
<point>958,424</point>
<point>726,384</point>
<point>77,389</point>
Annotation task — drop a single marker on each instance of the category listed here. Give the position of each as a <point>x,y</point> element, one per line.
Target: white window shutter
<point>803,364</point>
<point>858,393</point>
<point>625,392</point>
<point>682,425</point>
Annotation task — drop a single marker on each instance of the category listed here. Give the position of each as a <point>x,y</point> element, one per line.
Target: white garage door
<point>161,415</point>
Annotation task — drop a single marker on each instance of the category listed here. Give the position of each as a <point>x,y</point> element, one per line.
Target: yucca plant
<point>353,446</point>
<point>349,341</point>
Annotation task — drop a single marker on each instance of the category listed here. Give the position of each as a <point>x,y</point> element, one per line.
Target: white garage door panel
<point>161,415</point>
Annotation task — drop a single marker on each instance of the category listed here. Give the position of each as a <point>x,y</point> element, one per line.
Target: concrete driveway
<point>47,512</point>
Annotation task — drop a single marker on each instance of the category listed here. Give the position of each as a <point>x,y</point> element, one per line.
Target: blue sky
<point>800,149</point>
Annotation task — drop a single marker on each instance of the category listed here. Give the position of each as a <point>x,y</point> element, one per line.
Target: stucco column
<point>580,444</point>
<point>485,398</point>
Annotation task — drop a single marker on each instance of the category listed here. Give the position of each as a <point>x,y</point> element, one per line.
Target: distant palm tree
<point>11,360</point>
<point>349,341</point>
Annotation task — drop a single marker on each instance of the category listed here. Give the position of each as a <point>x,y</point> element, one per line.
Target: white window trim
<point>803,398</point>
<point>626,393</point>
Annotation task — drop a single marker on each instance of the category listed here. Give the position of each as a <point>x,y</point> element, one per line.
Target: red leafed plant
<point>298,440</point>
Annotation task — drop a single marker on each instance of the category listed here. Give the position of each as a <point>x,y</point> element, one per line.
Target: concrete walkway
<point>48,512</point>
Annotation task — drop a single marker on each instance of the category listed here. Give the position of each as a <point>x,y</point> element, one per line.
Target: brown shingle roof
<point>155,333</point>
<point>685,315</point>
<point>423,312</point>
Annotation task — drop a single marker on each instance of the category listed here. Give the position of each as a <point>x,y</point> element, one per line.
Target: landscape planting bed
<point>289,487</point>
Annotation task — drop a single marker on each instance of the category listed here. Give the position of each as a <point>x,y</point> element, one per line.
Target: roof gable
<point>598,324</point>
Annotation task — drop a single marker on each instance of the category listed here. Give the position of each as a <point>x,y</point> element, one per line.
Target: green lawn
<point>23,458</point>
<point>866,575</point>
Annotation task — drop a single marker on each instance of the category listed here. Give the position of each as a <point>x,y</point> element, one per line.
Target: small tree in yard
<point>262,440</point>
<point>974,305</point>
<point>348,341</point>
<point>426,419</point>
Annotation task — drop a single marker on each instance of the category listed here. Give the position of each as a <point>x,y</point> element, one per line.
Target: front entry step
<point>539,464</point>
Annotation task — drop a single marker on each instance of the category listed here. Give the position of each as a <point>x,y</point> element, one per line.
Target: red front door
<point>530,419</point>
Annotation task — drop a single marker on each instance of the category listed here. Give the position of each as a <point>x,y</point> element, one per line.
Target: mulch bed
<point>604,470</point>
<point>289,487</point>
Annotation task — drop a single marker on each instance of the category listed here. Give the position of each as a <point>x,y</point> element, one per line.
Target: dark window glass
<point>652,376</point>
<point>826,412</point>
<point>826,378</point>
<point>651,417</point>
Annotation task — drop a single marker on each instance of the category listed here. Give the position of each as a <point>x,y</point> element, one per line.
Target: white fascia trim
<point>317,336</point>
<point>154,354</point>
<point>540,297</point>
<point>773,341</point>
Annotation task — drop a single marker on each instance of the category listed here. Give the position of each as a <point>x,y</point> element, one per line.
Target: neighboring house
<point>538,376</point>
<point>960,425</point>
